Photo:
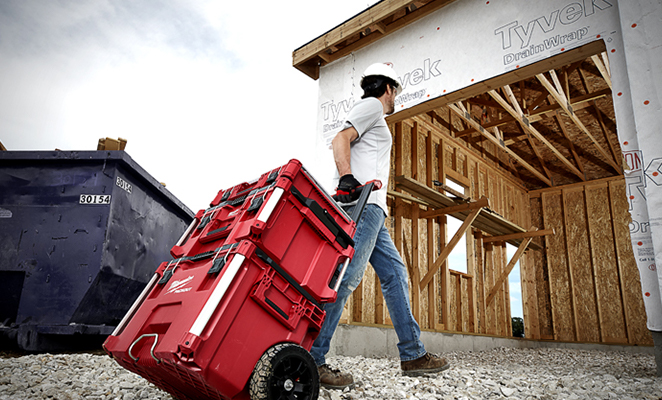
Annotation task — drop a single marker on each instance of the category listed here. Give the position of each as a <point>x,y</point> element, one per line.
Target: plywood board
<point>579,258</point>
<point>557,264</point>
<point>635,312</point>
<point>605,265</point>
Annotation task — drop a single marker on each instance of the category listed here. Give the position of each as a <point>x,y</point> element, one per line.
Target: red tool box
<point>234,314</point>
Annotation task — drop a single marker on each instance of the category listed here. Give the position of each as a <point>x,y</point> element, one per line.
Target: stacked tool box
<point>251,273</point>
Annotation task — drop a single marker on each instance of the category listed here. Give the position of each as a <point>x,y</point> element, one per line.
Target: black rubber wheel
<point>285,372</point>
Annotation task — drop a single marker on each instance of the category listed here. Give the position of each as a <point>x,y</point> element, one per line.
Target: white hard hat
<point>386,70</point>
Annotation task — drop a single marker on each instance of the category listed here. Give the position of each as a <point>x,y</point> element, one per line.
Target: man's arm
<point>341,150</point>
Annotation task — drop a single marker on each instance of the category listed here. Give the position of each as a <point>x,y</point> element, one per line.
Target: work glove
<point>347,190</point>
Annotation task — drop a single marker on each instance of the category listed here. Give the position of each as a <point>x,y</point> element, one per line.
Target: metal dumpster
<point>81,233</point>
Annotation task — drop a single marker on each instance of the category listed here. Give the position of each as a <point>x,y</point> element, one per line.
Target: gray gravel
<point>494,374</point>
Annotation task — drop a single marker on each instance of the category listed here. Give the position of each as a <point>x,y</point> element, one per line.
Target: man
<point>362,152</point>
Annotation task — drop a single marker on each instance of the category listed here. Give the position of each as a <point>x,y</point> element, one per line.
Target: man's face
<point>390,100</point>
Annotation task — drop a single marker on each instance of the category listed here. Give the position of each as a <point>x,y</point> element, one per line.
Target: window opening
<point>457,259</point>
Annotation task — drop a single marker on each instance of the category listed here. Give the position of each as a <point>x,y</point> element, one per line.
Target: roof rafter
<point>528,128</point>
<point>459,109</point>
<point>565,105</point>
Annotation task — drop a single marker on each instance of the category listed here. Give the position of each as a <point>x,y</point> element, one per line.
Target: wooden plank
<point>459,320</point>
<point>603,70</point>
<point>534,232</point>
<point>451,245</point>
<point>635,312</point>
<point>433,313</point>
<point>579,261</point>
<point>511,264</point>
<point>415,261</point>
<point>619,268</point>
<point>479,273</point>
<point>490,273</point>
<point>539,274</point>
<point>571,283</point>
<point>491,138</point>
<point>487,221</point>
<point>557,266</point>
<point>482,202</point>
<point>605,266</point>
<point>563,102</point>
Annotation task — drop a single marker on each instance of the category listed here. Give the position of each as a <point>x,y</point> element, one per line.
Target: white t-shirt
<point>371,151</point>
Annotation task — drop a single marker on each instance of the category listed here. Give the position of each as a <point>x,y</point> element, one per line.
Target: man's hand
<point>347,189</point>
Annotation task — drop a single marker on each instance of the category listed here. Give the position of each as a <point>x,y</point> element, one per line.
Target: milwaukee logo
<point>179,286</point>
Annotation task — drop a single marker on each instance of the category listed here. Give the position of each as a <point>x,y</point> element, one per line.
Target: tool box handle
<point>363,198</point>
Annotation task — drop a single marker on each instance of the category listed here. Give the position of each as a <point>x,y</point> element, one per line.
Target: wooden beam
<point>487,221</point>
<point>562,101</point>
<point>483,202</point>
<point>602,69</point>
<point>467,118</point>
<point>415,264</point>
<point>433,313</point>
<point>449,247</point>
<point>543,111</point>
<point>506,272</point>
<point>557,118</point>
<point>405,196</point>
<point>530,234</point>
<point>526,125</point>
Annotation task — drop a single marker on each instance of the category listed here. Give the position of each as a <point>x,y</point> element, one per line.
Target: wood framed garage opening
<point>537,153</point>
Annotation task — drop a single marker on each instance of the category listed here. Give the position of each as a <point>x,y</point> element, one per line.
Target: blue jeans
<point>373,243</point>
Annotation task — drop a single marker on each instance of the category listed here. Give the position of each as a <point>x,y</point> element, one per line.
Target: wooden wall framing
<point>540,145</point>
<point>588,284</point>
<point>583,286</point>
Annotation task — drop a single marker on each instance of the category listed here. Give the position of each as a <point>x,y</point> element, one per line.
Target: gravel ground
<point>499,373</point>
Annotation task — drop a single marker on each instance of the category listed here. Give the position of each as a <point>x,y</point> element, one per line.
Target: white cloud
<point>204,92</point>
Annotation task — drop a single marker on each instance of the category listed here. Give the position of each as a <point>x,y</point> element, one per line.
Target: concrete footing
<point>377,342</point>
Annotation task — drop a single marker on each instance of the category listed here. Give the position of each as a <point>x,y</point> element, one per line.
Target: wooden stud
<point>433,315</point>
<point>571,266</point>
<point>415,261</point>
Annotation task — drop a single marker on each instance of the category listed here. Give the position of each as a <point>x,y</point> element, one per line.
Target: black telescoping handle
<point>363,198</point>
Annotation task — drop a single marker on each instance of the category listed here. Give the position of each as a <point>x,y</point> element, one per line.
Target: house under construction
<point>532,126</point>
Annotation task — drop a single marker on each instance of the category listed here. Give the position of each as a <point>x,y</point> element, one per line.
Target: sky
<point>203,91</point>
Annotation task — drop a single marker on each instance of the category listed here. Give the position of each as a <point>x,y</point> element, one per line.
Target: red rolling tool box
<point>234,314</point>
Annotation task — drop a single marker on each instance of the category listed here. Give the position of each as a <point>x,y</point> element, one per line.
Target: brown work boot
<point>427,364</point>
<point>333,379</point>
